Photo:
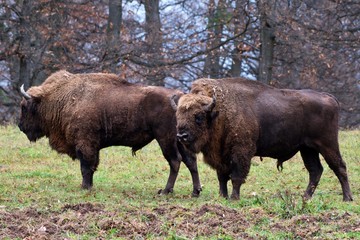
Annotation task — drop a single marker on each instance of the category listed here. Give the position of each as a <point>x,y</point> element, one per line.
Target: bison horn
<point>210,107</point>
<point>25,94</point>
<point>172,101</point>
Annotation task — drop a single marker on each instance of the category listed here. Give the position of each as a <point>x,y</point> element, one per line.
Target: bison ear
<point>211,116</point>
<point>28,97</point>
<point>174,101</point>
<point>209,109</point>
<point>36,92</point>
<point>214,114</point>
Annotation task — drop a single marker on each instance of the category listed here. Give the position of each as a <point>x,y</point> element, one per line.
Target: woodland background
<point>289,44</point>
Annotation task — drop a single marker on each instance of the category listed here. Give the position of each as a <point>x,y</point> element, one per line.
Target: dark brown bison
<point>232,120</point>
<point>83,113</point>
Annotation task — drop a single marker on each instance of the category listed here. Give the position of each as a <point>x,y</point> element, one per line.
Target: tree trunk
<point>154,41</point>
<point>24,46</point>
<point>215,28</point>
<point>235,70</point>
<point>113,35</point>
<point>267,39</point>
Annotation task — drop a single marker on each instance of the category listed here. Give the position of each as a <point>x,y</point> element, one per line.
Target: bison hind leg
<point>333,158</point>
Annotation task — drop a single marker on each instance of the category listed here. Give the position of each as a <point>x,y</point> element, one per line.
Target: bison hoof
<point>196,192</point>
<point>224,195</point>
<point>86,187</point>
<point>165,191</point>
<point>234,197</point>
<point>307,196</point>
<point>348,199</point>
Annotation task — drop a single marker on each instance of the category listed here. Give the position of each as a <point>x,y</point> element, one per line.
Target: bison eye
<point>199,119</point>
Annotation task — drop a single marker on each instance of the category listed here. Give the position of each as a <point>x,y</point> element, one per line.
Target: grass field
<point>40,197</point>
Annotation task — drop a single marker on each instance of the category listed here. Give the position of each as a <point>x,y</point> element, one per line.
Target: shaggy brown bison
<point>232,120</point>
<point>83,113</point>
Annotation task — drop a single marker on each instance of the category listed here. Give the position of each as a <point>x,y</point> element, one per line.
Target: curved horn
<point>173,103</point>
<point>25,94</point>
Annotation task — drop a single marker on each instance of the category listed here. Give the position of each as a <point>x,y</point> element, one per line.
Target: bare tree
<point>267,40</point>
<point>317,44</point>
<point>113,41</point>
<point>154,41</point>
<point>292,44</point>
<point>216,20</point>
<point>41,37</point>
<point>244,53</point>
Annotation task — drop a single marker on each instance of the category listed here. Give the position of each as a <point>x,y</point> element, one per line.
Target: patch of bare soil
<point>310,227</point>
<point>162,221</point>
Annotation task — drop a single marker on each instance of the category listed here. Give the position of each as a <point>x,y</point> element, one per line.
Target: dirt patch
<point>309,227</point>
<point>163,221</point>
<point>208,220</point>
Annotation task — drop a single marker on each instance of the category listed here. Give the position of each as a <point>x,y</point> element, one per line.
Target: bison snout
<point>182,137</point>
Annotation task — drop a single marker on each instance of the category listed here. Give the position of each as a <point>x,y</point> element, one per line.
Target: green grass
<point>39,187</point>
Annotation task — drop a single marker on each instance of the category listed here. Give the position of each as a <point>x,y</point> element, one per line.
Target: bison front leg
<point>174,170</point>
<point>223,180</point>
<point>174,159</point>
<point>190,161</point>
<point>313,165</point>
<point>89,161</point>
<point>174,155</point>
<point>240,170</point>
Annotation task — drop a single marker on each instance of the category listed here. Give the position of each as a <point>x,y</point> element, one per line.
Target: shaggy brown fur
<point>232,120</point>
<point>83,113</point>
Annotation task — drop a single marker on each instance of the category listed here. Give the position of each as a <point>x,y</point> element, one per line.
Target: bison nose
<point>182,137</point>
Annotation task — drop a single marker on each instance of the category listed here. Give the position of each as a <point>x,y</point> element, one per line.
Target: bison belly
<point>280,128</point>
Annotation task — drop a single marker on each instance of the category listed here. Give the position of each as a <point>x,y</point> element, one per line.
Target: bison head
<point>30,122</point>
<point>194,115</point>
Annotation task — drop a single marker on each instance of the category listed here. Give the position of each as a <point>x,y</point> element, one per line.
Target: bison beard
<point>83,113</point>
<point>252,119</point>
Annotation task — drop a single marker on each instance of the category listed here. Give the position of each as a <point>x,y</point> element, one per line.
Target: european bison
<point>83,113</point>
<point>232,120</point>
